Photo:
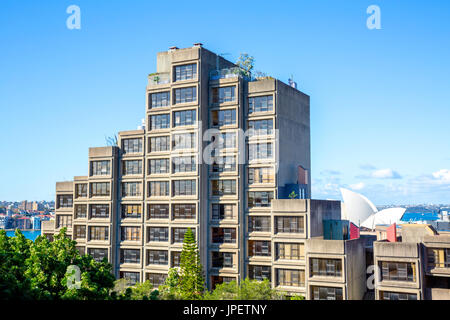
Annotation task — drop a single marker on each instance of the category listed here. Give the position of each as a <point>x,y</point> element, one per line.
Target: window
<point>131,189</point>
<point>132,145</point>
<point>183,164</point>
<point>229,140</point>
<point>224,164</point>
<point>223,235</point>
<point>158,188</point>
<point>184,95</point>
<point>131,211</point>
<point>80,190</point>
<point>132,277</point>
<point>260,104</point>
<point>99,211</point>
<point>183,211</point>
<point>325,267</point>
<point>80,211</point>
<point>100,189</point>
<point>258,151</point>
<point>63,221</point>
<point>184,118</point>
<point>158,144</point>
<point>158,211</point>
<point>98,233</point>
<point>259,272</point>
<point>132,167</point>
<point>290,278</point>
<point>386,295</point>
<point>156,279</point>
<point>130,233</point>
<point>158,166</point>
<point>223,211</point>
<point>223,117</point>
<point>223,94</point>
<point>184,187</point>
<point>261,127</point>
<point>259,198</point>
<point>186,72</point>
<point>398,271</point>
<point>178,234</point>
<point>259,248</point>
<point>289,224</point>
<point>130,256</point>
<point>326,293</point>
<point>160,257</point>
<point>438,258</point>
<point>223,187</point>
<point>98,254</point>
<point>184,141</point>
<point>81,250</point>
<point>222,259</point>
<point>175,256</point>
<point>100,168</point>
<point>289,251</point>
<point>258,224</point>
<point>160,121</point>
<point>79,232</point>
<point>261,175</point>
<point>64,201</point>
<point>158,100</point>
<point>158,234</point>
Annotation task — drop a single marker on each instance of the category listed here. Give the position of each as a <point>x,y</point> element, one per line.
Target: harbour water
<point>29,234</point>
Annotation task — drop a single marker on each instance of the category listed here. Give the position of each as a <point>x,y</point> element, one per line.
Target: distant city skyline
<point>380,102</point>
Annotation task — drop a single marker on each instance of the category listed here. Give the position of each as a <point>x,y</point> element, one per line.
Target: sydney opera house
<point>363,213</point>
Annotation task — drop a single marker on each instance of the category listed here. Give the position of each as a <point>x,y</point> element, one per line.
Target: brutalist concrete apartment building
<point>140,196</point>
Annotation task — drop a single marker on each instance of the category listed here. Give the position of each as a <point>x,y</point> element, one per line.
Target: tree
<point>246,290</point>
<point>293,195</point>
<point>170,290</point>
<point>246,63</point>
<point>39,270</point>
<point>192,282</point>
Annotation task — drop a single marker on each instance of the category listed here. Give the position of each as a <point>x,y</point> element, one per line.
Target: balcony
<point>227,73</point>
<point>158,78</point>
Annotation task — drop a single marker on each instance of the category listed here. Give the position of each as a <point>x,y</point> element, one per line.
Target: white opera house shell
<point>362,212</point>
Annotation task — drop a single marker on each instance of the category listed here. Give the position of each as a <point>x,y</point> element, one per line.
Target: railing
<point>227,73</point>
<point>158,78</point>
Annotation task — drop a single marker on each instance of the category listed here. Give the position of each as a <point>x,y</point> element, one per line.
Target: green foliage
<point>296,297</point>
<point>38,270</point>
<point>170,290</point>
<point>246,63</point>
<point>192,282</point>
<point>246,290</point>
<point>144,291</point>
<point>293,195</point>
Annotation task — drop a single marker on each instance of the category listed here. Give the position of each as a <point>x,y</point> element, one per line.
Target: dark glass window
<point>158,211</point>
<point>258,224</point>
<point>178,234</point>
<point>223,235</point>
<point>98,254</point>
<point>184,187</point>
<point>223,117</point>
<point>223,211</point>
<point>100,168</point>
<point>261,175</point>
<point>258,151</point>
<point>130,256</point>
<point>259,272</point>
<point>63,221</point>
<point>223,94</point>
<point>80,211</point>
<point>131,211</point>
<point>133,277</point>
<point>261,127</point>
<point>158,144</point>
<point>184,118</point>
<point>160,121</point>
<point>222,259</point>
<point>184,141</point>
<point>290,278</point>
<point>224,164</point>
<point>158,166</point>
<point>289,251</point>
<point>156,279</point>
<point>325,267</point>
<point>99,210</point>
<point>80,190</point>
<point>185,72</point>
<point>183,164</point>
<point>184,95</point>
<point>98,233</point>
<point>259,198</point>
<point>289,224</point>
<point>131,189</point>
<point>158,188</point>
<point>260,104</point>
<point>160,257</point>
<point>259,248</point>
<point>223,187</point>
<point>130,233</point>
<point>183,211</point>
<point>64,201</point>
<point>100,189</point>
<point>132,145</point>
<point>132,167</point>
<point>326,293</point>
<point>158,100</point>
<point>158,234</point>
<point>398,271</point>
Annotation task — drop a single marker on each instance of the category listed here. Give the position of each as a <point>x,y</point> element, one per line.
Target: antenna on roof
<point>291,82</point>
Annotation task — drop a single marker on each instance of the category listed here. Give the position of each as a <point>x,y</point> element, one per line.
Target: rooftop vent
<point>292,83</point>
<point>173,49</point>
<point>198,44</point>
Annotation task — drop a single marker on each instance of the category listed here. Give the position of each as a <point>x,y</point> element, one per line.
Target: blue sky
<point>380,99</point>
